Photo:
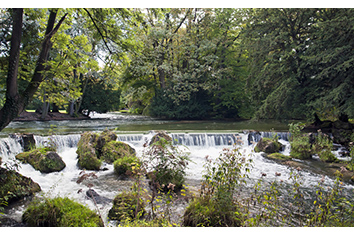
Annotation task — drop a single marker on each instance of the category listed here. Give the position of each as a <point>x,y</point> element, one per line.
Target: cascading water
<point>199,145</point>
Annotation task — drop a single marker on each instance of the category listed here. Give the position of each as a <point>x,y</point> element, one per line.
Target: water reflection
<point>122,122</point>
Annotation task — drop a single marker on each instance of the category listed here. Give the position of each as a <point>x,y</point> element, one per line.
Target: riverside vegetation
<point>227,196</point>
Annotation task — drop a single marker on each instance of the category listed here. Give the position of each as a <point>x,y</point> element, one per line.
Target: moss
<point>94,148</point>
<point>268,145</point>
<point>301,148</point>
<point>126,207</point>
<point>126,166</point>
<point>42,159</point>
<point>114,150</point>
<point>60,212</point>
<point>87,156</point>
<point>15,186</point>
<point>204,212</point>
<point>157,222</point>
<point>279,156</point>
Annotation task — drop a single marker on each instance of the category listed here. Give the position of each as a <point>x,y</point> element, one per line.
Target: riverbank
<point>58,116</point>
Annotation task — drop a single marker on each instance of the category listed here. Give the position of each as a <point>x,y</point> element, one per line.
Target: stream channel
<point>202,138</point>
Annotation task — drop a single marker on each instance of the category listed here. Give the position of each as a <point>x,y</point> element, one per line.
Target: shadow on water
<point>136,123</point>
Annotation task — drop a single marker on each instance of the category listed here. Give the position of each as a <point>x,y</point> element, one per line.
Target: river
<point>201,138</point>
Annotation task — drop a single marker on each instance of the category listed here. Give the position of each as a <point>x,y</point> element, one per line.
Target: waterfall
<point>62,142</point>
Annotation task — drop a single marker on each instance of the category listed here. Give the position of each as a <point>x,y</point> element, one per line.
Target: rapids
<point>198,143</point>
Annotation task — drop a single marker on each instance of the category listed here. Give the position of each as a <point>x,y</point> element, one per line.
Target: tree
<point>331,57</point>
<point>186,54</point>
<point>16,102</point>
<point>276,41</point>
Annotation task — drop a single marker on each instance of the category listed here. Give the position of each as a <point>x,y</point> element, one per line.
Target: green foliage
<point>157,222</point>
<point>127,206</point>
<point>300,145</point>
<point>87,157</point>
<point>302,148</point>
<point>197,107</point>
<point>100,97</point>
<point>167,164</point>
<point>60,212</point>
<point>323,147</point>
<point>216,206</point>
<point>126,166</point>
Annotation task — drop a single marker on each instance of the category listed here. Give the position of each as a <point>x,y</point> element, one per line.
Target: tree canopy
<point>179,63</point>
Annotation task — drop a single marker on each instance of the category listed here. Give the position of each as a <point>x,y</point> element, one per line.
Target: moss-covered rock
<point>160,134</point>
<point>15,186</point>
<point>105,137</point>
<point>87,156</point>
<point>60,212</point>
<point>114,150</point>
<point>126,166</point>
<point>205,212</point>
<point>127,206</point>
<point>43,159</point>
<point>93,149</point>
<point>268,145</point>
<point>278,156</point>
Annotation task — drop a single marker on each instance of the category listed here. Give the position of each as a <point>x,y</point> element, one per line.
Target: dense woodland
<point>179,63</point>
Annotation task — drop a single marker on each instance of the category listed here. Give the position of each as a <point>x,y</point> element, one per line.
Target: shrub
<point>167,164</point>
<point>127,206</point>
<point>323,147</point>
<point>300,145</point>
<point>126,166</point>
<point>216,206</point>
<point>60,212</point>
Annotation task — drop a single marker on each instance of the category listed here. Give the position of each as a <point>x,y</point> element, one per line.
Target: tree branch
<point>99,31</point>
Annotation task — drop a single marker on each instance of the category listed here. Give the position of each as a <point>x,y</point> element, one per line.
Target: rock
<point>93,195</point>
<point>105,137</point>
<point>158,136</point>
<point>125,206</point>
<point>42,159</point>
<point>114,150</point>
<point>15,186</point>
<point>268,146</point>
<point>93,149</point>
<point>28,142</point>
<point>87,156</point>
<point>278,156</point>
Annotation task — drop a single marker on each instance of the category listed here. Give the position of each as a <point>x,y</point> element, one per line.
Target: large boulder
<point>159,135</point>
<point>43,159</point>
<point>15,186</point>
<point>114,150</point>
<point>95,148</point>
<point>126,205</point>
<point>87,156</point>
<point>268,145</point>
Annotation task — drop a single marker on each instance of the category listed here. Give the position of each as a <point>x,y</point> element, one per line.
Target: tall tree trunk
<point>16,103</point>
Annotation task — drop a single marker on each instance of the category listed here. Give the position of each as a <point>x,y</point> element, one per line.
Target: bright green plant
<point>125,166</point>
<point>60,212</point>
<point>323,147</point>
<point>300,145</point>
<point>216,205</point>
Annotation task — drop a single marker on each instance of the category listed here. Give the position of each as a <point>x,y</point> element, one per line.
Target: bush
<point>60,212</point>
<point>126,166</point>
<point>216,206</point>
<point>167,164</point>
<point>127,206</point>
<point>300,145</point>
